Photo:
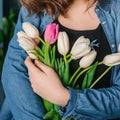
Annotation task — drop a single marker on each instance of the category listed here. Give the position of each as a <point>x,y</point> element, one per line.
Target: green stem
<point>69,60</point>
<point>69,55</point>
<point>75,73</point>
<point>65,58</point>
<point>41,40</point>
<point>40,58</point>
<point>39,51</point>
<point>98,79</point>
<point>47,61</point>
<point>83,71</point>
<point>80,75</point>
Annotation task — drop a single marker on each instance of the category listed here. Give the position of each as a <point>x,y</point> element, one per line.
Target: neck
<point>81,6</point>
<point>79,13</point>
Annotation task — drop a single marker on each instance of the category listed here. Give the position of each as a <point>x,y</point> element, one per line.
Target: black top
<point>102,50</point>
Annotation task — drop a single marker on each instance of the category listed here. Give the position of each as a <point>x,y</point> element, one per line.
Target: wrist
<point>64,97</point>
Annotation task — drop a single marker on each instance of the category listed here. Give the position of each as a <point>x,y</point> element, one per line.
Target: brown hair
<point>51,6</point>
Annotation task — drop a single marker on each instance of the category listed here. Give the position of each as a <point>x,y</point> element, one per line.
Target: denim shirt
<point>87,104</point>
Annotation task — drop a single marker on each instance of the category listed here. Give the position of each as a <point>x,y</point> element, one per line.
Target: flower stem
<point>47,58</point>
<point>80,75</point>
<point>75,73</point>
<point>69,55</point>
<point>39,51</point>
<point>41,40</point>
<point>65,58</point>
<point>83,71</point>
<point>98,79</point>
<point>69,60</point>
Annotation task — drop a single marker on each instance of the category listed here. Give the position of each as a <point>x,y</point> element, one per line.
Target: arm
<point>23,102</point>
<point>88,103</point>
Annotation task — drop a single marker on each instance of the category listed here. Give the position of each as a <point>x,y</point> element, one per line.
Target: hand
<point>46,83</point>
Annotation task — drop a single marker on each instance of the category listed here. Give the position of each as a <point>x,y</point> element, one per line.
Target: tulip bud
<point>22,34</point>
<point>112,59</point>
<point>30,30</point>
<point>51,33</point>
<point>36,40</point>
<point>82,39</point>
<point>119,48</point>
<point>26,43</point>
<point>63,43</point>
<point>32,55</point>
<point>88,59</point>
<point>80,48</point>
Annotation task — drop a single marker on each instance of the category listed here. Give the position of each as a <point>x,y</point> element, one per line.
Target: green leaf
<point>12,15</point>
<point>66,73</point>
<point>89,76</point>
<point>52,56</point>
<point>47,54</point>
<point>39,51</point>
<point>56,117</point>
<point>1,52</point>
<point>56,66</point>
<point>1,36</point>
<point>49,115</point>
<point>56,108</point>
<point>5,25</point>
<point>48,106</point>
<point>60,65</point>
<point>1,63</point>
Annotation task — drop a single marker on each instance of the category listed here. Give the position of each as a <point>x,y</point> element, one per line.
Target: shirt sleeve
<point>18,91</point>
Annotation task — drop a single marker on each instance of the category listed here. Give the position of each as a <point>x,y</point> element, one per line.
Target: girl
<point>95,19</point>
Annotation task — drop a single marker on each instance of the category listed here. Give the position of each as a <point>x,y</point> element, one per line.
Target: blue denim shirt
<point>87,104</point>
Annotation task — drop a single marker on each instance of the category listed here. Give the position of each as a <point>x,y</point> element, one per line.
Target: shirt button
<point>104,22</point>
<point>113,45</point>
<point>97,10</point>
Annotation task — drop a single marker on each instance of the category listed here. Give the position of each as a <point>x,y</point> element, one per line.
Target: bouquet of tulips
<point>45,51</point>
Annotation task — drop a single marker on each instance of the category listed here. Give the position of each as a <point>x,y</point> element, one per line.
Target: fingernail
<point>36,61</point>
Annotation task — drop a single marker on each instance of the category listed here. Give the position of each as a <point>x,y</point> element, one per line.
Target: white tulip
<point>30,30</point>
<point>22,34</point>
<point>119,48</point>
<point>80,48</point>
<point>63,43</point>
<point>82,39</point>
<point>27,44</point>
<point>32,55</point>
<point>112,59</point>
<point>36,40</point>
<point>88,59</point>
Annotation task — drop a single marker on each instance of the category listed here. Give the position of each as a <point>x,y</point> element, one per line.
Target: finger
<point>41,65</point>
<point>31,66</point>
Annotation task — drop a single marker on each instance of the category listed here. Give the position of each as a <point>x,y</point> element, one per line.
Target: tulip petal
<point>51,33</point>
<point>22,34</point>
<point>32,55</point>
<point>63,43</point>
<point>30,30</point>
<point>112,59</point>
<point>80,48</point>
<point>88,59</point>
<point>27,44</point>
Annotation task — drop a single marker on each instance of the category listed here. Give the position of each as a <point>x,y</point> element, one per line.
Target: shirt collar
<point>105,6</point>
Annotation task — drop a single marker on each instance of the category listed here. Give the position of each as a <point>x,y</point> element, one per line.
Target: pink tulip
<point>51,33</point>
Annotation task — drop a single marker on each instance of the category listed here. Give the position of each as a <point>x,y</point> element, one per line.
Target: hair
<point>50,6</point>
